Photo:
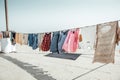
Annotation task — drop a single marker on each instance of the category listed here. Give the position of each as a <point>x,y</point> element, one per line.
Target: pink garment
<point>71,41</point>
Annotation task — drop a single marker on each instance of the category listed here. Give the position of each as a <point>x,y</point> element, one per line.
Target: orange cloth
<point>1,35</point>
<point>80,38</point>
<point>19,38</point>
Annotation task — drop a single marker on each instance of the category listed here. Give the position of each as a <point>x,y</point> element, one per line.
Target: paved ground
<point>9,71</point>
<point>36,72</point>
<point>45,66</point>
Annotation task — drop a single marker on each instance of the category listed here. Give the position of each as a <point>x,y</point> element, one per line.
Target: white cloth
<point>13,48</point>
<point>88,36</point>
<point>6,45</point>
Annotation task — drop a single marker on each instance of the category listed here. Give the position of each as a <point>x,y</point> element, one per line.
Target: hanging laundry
<point>106,42</point>
<point>35,41</point>
<point>80,38</point>
<point>25,39</point>
<point>5,34</point>
<point>71,41</point>
<point>1,35</point>
<point>62,37</point>
<point>118,34</point>
<point>19,38</point>
<point>13,34</point>
<point>6,45</point>
<point>88,38</point>
<point>45,46</point>
<point>118,38</point>
<point>54,42</point>
<point>40,39</point>
<point>30,39</point>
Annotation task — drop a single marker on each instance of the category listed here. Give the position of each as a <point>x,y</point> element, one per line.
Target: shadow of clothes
<point>70,56</point>
<point>36,72</point>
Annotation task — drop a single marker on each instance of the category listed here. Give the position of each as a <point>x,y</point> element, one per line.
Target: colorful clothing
<point>71,41</point>
<point>45,46</point>
<point>54,42</point>
<point>19,38</point>
<point>40,39</point>
<point>62,37</point>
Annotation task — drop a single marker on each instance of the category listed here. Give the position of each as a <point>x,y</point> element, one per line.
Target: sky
<point>36,16</point>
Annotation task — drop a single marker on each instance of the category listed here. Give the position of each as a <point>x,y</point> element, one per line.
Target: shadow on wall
<point>70,56</point>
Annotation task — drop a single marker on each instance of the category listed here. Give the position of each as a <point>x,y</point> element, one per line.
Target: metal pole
<point>6,16</point>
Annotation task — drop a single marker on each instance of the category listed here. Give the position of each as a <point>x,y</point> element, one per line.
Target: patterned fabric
<point>71,41</point>
<point>45,46</point>
<point>106,42</point>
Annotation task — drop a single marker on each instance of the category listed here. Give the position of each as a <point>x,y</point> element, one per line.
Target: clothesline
<point>78,27</point>
<point>68,29</point>
<point>99,23</point>
<point>68,41</point>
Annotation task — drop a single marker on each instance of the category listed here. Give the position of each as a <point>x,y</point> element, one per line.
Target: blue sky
<point>51,15</point>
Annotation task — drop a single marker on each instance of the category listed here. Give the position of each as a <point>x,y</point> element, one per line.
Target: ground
<point>45,66</point>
